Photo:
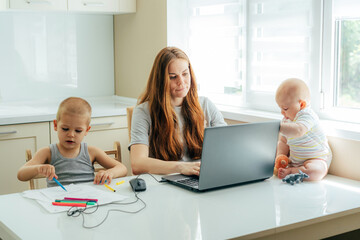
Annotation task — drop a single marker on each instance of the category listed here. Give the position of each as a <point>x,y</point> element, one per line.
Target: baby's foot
<point>283,172</point>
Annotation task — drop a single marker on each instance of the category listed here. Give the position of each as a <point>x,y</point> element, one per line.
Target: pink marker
<point>81,199</point>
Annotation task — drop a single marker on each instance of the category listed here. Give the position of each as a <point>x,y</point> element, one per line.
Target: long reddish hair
<point>164,136</point>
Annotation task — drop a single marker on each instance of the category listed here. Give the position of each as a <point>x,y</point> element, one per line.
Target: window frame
<point>327,109</point>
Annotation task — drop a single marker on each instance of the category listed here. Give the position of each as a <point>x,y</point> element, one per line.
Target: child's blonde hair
<point>294,88</point>
<point>74,105</point>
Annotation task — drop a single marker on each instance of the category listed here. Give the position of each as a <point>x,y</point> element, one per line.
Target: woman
<point>168,124</point>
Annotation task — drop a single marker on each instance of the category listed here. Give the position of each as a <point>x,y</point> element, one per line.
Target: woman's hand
<point>189,168</point>
<point>103,176</point>
<point>47,170</point>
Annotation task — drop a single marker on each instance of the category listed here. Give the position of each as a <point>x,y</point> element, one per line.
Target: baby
<point>301,138</point>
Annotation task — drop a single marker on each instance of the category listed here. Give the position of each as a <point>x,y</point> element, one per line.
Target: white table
<point>265,209</point>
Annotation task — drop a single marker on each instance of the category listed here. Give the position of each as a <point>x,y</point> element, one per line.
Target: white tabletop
<point>257,209</point>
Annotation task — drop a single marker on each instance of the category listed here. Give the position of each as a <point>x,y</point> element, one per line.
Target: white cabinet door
<point>103,133</point>
<point>103,6</point>
<point>14,140</point>
<point>39,5</point>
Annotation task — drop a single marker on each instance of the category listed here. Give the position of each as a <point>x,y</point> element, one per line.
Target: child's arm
<point>114,168</point>
<point>293,130</point>
<point>38,165</point>
<point>282,147</point>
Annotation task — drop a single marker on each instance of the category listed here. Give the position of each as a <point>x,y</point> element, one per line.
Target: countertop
<point>45,110</point>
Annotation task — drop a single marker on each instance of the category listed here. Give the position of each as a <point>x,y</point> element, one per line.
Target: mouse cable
<point>75,212</point>
<point>159,181</point>
<point>115,210</point>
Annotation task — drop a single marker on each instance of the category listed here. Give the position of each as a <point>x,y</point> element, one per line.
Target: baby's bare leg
<point>316,169</point>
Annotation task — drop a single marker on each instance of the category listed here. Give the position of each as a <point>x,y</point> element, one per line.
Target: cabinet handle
<point>37,1</point>
<point>94,4</point>
<point>9,132</point>
<point>102,124</point>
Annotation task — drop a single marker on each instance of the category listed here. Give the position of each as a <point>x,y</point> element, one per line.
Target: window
<point>341,60</point>
<point>347,33</point>
<point>216,43</point>
<point>282,43</point>
<point>242,49</point>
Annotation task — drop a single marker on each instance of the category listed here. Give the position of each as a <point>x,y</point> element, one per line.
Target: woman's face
<point>180,80</point>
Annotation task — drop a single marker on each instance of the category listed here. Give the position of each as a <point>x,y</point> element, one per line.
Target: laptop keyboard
<point>192,182</point>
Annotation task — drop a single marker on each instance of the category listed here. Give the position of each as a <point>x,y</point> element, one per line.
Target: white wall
<point>55,55</point>
<point>138,39</point>
<point>346,160</point>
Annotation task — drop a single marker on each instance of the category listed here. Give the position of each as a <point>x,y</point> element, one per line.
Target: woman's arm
<point>141,163</point>
<point>39,164</point>
<point>114,168</point>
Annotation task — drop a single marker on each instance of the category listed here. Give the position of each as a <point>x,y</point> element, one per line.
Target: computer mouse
<point>138,184</point>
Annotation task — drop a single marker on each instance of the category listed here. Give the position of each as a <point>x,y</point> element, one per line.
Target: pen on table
<point>110,188</point>
<point>121,182</point>
<point>58,183</point>
<point>69,204</point>
<point>75,201</point>
<point>81,199</point>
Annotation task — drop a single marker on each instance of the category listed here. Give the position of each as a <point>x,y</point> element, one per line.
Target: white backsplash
<point>55,55</point>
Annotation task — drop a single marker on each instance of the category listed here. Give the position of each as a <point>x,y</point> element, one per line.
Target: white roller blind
<point>280,46</point>
<point>216,43</point>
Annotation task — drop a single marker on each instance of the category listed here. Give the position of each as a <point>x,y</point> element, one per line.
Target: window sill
<point>332,128</point>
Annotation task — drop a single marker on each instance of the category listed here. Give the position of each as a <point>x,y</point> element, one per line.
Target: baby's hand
<point>47,170</point>
<point>103,176</point>
<point>281,161</point>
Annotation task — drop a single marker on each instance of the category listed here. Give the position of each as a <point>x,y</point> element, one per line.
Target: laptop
<point>232,155</point>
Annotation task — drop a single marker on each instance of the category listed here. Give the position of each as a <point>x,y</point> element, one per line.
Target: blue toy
<point>295,178</point>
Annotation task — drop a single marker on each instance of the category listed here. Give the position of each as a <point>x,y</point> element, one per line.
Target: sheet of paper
<point>46,196</point>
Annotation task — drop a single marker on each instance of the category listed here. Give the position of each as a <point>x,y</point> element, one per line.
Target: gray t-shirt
<point>141,122</point>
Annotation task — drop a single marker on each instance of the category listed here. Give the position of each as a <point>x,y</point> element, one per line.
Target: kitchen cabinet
<point>38,5</point>
<point>14,140</point>
<point>103,6</point>
<point>103,133</point>
<point>85,6</point>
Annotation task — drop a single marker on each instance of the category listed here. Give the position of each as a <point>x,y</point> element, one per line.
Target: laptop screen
<point>238,153</point>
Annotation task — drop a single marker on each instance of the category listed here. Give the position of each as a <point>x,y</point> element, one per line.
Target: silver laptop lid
<point>238,153</point>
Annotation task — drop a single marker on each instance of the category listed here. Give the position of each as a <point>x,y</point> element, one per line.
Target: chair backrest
<point>28,156</point>
<point>129,112</point>
<point>114,153</point>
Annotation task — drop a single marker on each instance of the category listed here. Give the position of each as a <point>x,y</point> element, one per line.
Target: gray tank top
<point>71,170</point>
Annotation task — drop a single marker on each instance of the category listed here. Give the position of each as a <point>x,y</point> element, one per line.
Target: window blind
<point>216,43</point>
